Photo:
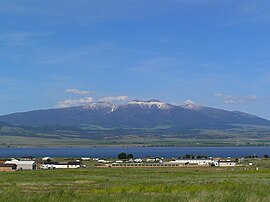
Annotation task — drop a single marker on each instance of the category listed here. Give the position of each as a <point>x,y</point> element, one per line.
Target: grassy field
<point>92,135</point>
<point>26,142</point>
<point>139,184</point>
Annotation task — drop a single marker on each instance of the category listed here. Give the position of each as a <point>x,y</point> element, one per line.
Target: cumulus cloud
<point>114,98</point>
<point>78,92</point>
<point>228,99</point>
<point>75,102</point>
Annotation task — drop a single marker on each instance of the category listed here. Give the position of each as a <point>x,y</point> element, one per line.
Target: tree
<point>266,156</point>
<point>130,156</point>
<point>122,156</point>
<point>189,156</point>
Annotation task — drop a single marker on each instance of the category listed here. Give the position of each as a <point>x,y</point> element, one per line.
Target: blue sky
<point>72,52</point>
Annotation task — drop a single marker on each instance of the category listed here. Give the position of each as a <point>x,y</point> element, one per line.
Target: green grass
<point>138,184</point>
<point>129,140</point>
<point>94,135</point>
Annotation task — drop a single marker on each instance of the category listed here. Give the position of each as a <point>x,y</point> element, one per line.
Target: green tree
<point>130,156</point>
<point>122,156</point>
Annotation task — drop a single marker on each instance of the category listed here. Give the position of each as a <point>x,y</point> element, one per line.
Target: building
<point>225,163</point>
<point>57,165</point>
<point>139,160</point>
<point>8,167</point>
<point>47,166</point>
<point>102,161</point>
<point>75,164</point>
<point>200,162</point>
<point>47,158</point>
<point>23,165</point>
<point>137,165</point>
<point>86,159</point>
<point>154,160</point>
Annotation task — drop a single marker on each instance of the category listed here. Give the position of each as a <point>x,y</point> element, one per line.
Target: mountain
<point>151,123</point>
<point>135,114</point>
<point>2,124</point>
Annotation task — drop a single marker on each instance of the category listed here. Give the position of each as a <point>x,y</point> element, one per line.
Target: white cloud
<point>87,100</point>
<point>228,99</point>
<point>78,92</point>
<point>75,102</point>
<point>114,98</point>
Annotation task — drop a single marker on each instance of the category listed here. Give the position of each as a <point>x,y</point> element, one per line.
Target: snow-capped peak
<point>100,105</point>
<point>189,104</point>
<point>150,103</point>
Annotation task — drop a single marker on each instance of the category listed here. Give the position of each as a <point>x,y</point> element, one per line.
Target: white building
<point>201,162</point>
<point>86,159</point>
<point>23,165</point>
<point>154,160</point>
<point>102,161</point>
<point>57,165</point>
<point>47,158</point>
<point>139,160</point>
<point>75,164</point>
<point>224,163</point>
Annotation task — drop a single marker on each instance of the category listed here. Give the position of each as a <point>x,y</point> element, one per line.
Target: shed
<point>7,167</point>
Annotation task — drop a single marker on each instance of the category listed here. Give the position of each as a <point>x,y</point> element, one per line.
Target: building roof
<point>223,161</point>
<point>63,163</point>
<point>49,163</point>
<point>46,158</point>
<point>20,162</point>
<point>8,165</point>
<point>74,163</point>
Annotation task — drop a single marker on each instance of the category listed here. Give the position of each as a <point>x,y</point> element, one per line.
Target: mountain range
<point>102,120</point>
<point>135,114</point>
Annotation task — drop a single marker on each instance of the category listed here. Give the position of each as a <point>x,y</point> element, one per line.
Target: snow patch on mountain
<point>150,103</point>
<point>101,105</point>
<point>189,104</point>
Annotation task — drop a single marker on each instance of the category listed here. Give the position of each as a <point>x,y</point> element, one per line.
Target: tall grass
<point>131,184</point>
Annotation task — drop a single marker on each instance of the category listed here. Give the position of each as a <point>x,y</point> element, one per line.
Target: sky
<point>73,52</point>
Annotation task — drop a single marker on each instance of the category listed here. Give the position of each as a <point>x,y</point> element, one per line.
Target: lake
<point>112,152</point>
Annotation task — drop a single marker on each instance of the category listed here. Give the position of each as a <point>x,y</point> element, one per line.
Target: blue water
<point>112,152</point>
